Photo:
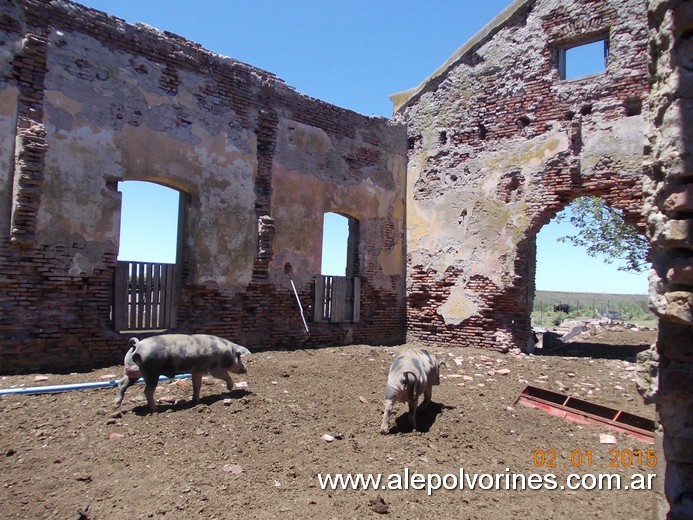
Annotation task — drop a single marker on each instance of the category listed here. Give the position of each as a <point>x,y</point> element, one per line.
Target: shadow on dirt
<point>424,418</point>
<point>206,400</point>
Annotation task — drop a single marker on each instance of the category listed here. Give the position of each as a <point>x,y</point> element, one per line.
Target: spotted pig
<point>412,373</point>
<point>171,354</point>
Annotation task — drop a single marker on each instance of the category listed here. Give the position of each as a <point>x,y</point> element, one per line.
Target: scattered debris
<point>234,469</point>
<point>327,438</point>
<point>606,438</point>
<point>379,505</point>
<point>571,330</point>
<point>82,514</point>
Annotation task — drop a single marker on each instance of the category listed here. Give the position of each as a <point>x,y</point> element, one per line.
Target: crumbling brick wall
<point>669,208</point>
<point>499,144</point>
<point>87,101</point>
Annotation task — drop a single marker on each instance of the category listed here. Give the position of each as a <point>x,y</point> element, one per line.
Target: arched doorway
<point>338,288</point>
<point>583,282</point>
<point>147,271</point>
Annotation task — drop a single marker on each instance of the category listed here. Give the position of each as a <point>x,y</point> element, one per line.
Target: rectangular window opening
<point>583,59</point>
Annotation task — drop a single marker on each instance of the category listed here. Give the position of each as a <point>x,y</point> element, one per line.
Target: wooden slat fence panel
<point>339,309</point>
<point>144,296</point>
<point>337,298</point>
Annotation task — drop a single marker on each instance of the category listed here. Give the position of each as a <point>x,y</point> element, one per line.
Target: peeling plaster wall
<point>321,180</point>
<point>498,144</point>
<point>108,118</point>
<point>87,100</point>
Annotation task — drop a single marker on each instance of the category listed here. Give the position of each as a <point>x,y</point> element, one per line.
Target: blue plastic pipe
<point>76,386</point>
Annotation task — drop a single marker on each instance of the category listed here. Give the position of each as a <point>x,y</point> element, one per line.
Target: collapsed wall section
<point>87,101</point>
<point>498,144</point>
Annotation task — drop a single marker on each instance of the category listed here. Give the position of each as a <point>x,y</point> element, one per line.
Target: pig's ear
<point>244,351</point>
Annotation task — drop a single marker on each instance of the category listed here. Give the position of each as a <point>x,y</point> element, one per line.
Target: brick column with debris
<point>669,210</point>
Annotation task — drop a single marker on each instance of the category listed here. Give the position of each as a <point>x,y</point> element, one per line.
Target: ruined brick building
<point>444,200</point>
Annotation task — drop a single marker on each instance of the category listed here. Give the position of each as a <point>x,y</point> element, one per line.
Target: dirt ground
<point>259,453</point>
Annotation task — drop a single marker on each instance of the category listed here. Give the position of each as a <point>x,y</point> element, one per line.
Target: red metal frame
<point>584,412</point>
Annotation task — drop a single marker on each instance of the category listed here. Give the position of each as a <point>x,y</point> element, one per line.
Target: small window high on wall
<point>583,59</point>
<point>338,289</point>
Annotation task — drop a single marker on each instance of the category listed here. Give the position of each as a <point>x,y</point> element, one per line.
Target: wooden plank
<point>139,324</point>
<point>327,298</point>
<point>357,299</point>
<point>132,296</point>
<point>156,280</point>
<point>147,300</point>
<point>348,299</point>
<point>338,313</point>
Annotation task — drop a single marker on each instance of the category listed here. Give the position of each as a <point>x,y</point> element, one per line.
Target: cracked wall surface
<point>669,210</point>
<point>87,101</point>
<point>498,145</point>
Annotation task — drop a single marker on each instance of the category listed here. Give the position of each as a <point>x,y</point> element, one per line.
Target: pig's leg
<point>428,393</point>
<point>150,383</point>
<point>222,373</point>
<point>197,384</point>
<point>412,413</point>
<point>410,383</point>
<point>384,427</point>
<point>123,385</point>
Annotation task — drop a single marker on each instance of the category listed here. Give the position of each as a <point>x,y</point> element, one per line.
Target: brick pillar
<point>669,208</point>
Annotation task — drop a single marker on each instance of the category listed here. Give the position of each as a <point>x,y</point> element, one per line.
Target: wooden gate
<point>145,296</point>
<point>337,298</point>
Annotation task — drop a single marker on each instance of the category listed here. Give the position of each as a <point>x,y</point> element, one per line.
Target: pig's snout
<point>241,369</point>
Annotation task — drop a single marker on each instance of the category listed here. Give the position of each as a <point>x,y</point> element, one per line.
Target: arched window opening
<point>146,276</point>
<point>337,290</point>
<point>335,242</point>
<point>572,284</point>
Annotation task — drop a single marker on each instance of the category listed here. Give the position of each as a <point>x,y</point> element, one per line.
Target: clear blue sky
<point>352,53</point>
